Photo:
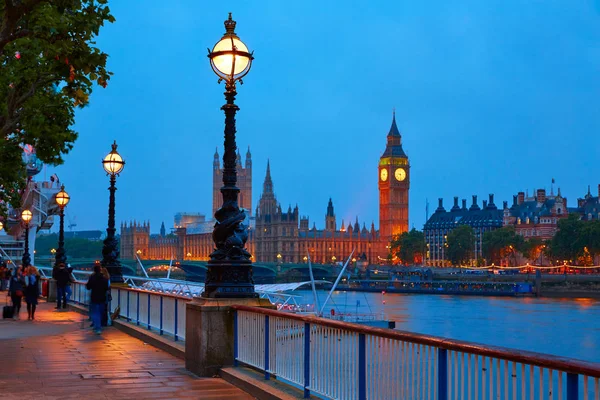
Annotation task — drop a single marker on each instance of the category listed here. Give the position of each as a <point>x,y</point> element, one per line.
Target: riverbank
<point>571,290</point>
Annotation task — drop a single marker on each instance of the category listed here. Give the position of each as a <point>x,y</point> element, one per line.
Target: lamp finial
<point>230,26</point>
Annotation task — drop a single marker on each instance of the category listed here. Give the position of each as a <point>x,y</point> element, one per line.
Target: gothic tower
<point>330,217</point>
<point>394,183</point>
<point>244,182</point>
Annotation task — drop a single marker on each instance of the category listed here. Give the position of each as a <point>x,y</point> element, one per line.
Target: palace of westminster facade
<point>286,236</point>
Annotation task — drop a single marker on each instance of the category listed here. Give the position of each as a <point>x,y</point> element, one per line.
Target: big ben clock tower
<point>394,182</point>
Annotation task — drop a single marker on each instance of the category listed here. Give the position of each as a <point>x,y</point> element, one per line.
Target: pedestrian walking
<point>16,285</point>
<point>98,285</point>
<point>32,291</point>
<point>63,279</point>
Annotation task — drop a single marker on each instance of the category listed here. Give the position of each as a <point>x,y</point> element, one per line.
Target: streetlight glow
<point>113,162</point>
<point>230,58</point>
<point>26,216</point>
<point>62,198</point>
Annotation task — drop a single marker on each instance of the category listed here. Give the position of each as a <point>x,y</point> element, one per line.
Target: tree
<point>532,248</point>
<point>75,247</point>
<point>409,247</point>
<point>576,240</point>
<point>568,242</point>
<point>502,244</point>
<point>461,241</point>
<point>49,65</point>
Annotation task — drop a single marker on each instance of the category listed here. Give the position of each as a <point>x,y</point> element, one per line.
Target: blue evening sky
<point>492,96</point>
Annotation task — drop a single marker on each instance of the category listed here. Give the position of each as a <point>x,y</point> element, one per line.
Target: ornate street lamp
<point>113,165</point>
<point>26,216</point>
<point>62,199</point>
<point>1,225</point>
<point>230,267</point>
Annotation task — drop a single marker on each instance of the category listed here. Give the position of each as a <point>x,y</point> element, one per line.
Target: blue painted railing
<point>339,360</point>
<point>164,313</point>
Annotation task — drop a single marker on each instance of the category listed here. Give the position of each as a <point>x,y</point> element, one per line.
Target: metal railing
<point>341,360</point>
<point>160,312</point>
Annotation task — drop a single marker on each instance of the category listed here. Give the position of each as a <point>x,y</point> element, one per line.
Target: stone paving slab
<point>59,357</point>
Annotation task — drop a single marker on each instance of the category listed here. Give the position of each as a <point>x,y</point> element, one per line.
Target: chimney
<point>491,202</point>
<point>541,195</point>
<point>484,204</point>
<point>474,206</point>
<point>599,190</point>
<point>455,207</point>
<point>514,204</point>
<point>520,198</point>
<point>504,205</point>
<point>464,201</point>
<point>440,205</point>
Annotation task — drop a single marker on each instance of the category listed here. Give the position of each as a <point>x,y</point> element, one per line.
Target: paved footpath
<point>59,357</point>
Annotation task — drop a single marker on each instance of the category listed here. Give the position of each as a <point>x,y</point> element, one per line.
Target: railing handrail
<point>132,289</point>
<point>565,364</point>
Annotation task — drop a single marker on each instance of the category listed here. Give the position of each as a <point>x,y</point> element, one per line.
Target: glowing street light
<point>229,271</point>
<point>26,216</point>
<point>62,198</point>
<point>113,164</point>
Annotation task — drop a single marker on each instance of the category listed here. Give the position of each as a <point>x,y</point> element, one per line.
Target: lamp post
<point>229,273</point>
<point>62,199</point>
<point>113,165</point>
<point>26,216</point>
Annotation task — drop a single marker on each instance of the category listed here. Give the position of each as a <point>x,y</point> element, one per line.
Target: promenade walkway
<point>59,357</point>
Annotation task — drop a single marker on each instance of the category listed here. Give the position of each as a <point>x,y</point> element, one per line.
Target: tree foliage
<point>576,241</point>
<point>532,248</point>
<point>75,247</point>
<point>409,247</point>
<point>48,66</point>
<point>502,244</point>
<point>460,241</point>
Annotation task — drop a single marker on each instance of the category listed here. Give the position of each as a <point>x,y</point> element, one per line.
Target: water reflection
<point>564,327</point>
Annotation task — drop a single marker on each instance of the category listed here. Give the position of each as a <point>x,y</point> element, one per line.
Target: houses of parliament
<point>285,236</point>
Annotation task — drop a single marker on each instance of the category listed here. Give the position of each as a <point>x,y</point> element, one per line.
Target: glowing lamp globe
<point>26,216</point>
<point>113,162</point>
<point>1,226</point>
<point>230,58</point>
<point>62,197</point>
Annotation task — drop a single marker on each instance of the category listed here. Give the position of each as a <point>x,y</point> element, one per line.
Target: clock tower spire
<point>394,183</point>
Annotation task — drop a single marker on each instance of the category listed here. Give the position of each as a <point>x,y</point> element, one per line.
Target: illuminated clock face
<point>384,174</point>
<point>400,174</point>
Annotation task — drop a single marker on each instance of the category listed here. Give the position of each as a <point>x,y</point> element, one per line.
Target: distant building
<point>274,232</point>
<point>244,182</point>
<point>589,206</point>
<point>536,216</point>
<point>442,222</point>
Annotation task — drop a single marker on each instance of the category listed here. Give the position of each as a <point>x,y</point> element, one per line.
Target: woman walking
<point>32,291</point>
<point>17,284</point>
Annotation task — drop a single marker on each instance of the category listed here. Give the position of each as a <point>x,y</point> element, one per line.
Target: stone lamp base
<point>209,333</point>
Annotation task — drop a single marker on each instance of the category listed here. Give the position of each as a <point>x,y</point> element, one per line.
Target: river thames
<point>563,327</point>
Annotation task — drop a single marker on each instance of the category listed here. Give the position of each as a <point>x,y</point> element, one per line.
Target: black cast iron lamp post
<point>26,216</point>
<point>113,165</point>
<point>62,199</point>
<point>229,273</point>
